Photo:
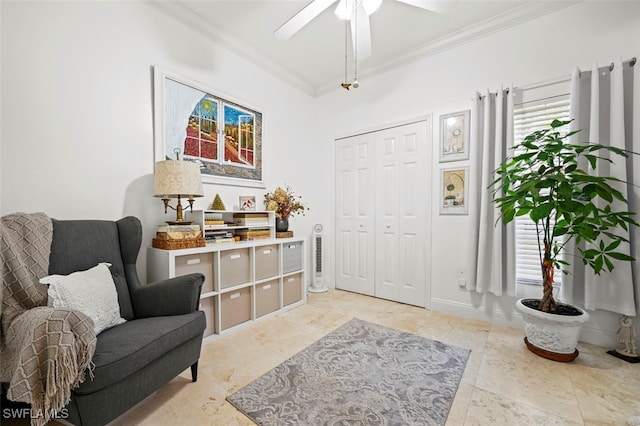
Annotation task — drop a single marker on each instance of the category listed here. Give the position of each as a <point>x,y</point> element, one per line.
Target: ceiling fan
<point>357,12</point>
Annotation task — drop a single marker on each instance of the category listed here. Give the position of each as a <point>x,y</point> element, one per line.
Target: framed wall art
<point>222,135</point>
<point>454,190</point>
<point>454,136</point>
<point>247,202</point>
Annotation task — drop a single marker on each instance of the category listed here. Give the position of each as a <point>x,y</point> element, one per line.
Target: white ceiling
<point>314,58</point>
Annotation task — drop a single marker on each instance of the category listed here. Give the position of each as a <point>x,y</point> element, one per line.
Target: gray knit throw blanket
<point>44,352</point>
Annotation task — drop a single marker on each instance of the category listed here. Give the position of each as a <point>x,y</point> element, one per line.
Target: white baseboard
<point>480,313</point>
<point>589,334</point>
<point>598,337</point>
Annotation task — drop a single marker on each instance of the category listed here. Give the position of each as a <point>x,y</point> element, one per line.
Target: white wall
<point>77,125</point>
<point>77,112</point>
<point>543,49</point>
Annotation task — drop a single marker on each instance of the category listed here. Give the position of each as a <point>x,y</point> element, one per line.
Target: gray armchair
<point>163,333</point>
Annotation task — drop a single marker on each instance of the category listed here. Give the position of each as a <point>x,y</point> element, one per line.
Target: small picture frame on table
<point>454,136</point>
<point>247,203</point>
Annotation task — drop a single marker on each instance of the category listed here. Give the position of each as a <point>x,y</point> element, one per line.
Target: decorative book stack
<point>253,234</point>
<point>214,221</point>
<point>251,219</point>
<point>218,237</point>
<point>172,237</point>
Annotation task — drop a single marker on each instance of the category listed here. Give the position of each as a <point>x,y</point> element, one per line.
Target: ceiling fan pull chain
<point>345,84</point>
<point>355,83</point>
<point>346,46</point>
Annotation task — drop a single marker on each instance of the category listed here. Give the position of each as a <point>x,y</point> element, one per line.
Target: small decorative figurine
<point>627,336</point>
<point>217,203</point>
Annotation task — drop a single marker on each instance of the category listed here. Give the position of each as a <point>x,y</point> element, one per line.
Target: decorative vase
<point>552,336</point>
<point>282,225</point>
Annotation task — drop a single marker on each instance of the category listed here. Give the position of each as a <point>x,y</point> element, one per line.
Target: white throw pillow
<point>91,292</point>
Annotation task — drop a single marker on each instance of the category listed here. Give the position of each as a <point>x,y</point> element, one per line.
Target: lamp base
<point>182,222</point>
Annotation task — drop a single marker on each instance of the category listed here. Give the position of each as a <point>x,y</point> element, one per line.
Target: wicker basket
<point>284,234</point>
<point>179,244</point>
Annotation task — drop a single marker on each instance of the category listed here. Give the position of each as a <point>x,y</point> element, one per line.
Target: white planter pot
<point>556,335</point>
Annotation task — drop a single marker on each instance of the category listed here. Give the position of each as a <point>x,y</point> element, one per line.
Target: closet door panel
<point>411,219</point>
<point>354,221</point>
<point>401,223</point>
<point>387,196</point>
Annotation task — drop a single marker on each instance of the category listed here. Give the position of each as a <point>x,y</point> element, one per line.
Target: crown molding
<point>524,13</point>
<point>189,18</point>
<point>528,11</point>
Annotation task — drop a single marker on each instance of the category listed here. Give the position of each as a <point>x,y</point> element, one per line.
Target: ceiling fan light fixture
<point>345,9</point>
<point>371,6</point>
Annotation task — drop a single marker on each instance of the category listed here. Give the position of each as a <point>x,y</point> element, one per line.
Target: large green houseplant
<point>550,180</point>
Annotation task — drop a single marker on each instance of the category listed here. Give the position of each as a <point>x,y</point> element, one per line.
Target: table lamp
<point>177,179</point>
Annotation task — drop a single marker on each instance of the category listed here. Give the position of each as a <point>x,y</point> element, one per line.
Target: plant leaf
<point>621,256</point>
<point>541,211</point>
<point>603,193</point>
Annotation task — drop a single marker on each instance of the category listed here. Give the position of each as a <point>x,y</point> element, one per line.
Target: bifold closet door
<point>402,213</point>
<point>383,201</point>
<point>355,213</point>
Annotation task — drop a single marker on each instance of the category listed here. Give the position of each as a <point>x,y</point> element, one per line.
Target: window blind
<point>528,118</point>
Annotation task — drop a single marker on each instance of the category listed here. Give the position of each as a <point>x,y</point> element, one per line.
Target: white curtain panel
<point>605,108</point>
<point>492,246</point>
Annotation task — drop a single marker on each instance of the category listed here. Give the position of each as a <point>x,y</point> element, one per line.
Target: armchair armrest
<point>174,296</point>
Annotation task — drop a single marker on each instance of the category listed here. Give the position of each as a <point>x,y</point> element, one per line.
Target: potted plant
<point>549,180</point>
<point>285,203</point>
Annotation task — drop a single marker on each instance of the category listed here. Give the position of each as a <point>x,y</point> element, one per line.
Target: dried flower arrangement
<point>284,202</point>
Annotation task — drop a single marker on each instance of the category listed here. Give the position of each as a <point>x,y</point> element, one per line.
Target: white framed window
<point>528,117</point>
<point>220,132</point>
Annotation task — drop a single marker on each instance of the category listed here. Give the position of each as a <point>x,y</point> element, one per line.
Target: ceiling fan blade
<point>361,33</point>
<point>439,6</point>
<point>302,18</point>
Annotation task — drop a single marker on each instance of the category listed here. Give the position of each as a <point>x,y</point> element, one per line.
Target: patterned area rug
<point>359,374</point>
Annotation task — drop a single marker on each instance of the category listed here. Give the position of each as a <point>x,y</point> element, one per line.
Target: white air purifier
<point>317,283</point>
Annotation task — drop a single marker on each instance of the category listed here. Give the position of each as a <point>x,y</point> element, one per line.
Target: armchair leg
<point>194,372</point>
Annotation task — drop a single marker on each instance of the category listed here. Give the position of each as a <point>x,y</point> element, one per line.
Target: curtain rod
<point>484,95</point>
<point>564,79</point>
<point>631,61</point>
<point>559,80</point>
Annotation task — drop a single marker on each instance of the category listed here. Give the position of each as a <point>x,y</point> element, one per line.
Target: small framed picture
<point>247,202</point>
<point>454,136</point>
<point>454,190</point>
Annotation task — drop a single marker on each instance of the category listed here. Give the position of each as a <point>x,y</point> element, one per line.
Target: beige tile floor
<point>503,384</point>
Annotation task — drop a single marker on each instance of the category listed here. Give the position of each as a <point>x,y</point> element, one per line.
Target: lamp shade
<point>175,178</point>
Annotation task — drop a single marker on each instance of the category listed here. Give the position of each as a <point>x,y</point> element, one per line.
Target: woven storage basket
<point>179,244</point>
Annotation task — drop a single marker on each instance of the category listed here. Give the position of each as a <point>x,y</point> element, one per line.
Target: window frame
<point>529,115</point>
